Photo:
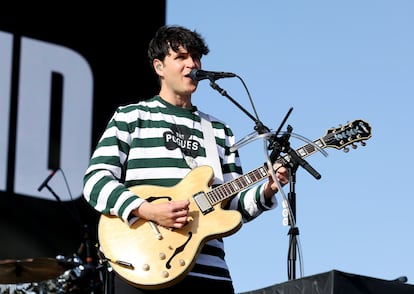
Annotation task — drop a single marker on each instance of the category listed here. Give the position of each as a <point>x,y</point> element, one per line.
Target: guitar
<point>150,256</point>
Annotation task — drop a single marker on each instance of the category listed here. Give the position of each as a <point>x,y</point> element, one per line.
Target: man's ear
<point>157,66</point>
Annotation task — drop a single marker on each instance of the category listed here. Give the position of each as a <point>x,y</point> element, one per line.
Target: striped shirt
<point>147,143</point>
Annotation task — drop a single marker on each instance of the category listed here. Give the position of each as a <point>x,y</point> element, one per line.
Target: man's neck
<point>177,100</point>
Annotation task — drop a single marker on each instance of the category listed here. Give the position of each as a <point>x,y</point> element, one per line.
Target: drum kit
<point>83,272</point>
<point>50,275</point>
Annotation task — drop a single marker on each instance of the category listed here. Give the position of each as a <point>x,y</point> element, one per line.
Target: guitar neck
<point>228,189</point>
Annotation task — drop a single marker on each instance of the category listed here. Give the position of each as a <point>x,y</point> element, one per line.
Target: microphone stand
<point>63,204</point>
<point>282,145</point>
<point>294,230</point>
<point>293,162</point>
<point>278,145</point>
<point>259,127</point>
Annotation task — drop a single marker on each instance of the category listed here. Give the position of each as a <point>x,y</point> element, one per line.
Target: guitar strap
<point>211,147</point>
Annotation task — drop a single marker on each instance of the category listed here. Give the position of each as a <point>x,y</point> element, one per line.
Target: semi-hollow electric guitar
<point>150,256</point>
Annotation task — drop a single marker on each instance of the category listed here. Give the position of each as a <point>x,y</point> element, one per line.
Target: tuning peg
<point>346,149</point>
<point>363,143</point>
<point>354,146</point>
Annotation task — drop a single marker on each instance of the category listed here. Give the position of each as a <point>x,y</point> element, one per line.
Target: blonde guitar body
<point>159,256</point>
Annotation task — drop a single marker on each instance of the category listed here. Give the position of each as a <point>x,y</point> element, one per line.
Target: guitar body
<point>158,262</point>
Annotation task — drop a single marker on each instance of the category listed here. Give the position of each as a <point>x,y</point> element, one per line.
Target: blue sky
<point>332,62</point>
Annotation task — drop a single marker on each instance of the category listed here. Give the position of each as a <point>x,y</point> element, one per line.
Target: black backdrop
<point>113,39</point>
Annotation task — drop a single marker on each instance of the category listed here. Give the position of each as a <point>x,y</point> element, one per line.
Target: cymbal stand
<point>85,271</point>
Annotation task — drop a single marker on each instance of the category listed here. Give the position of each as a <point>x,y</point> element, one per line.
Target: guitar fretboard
<point>228,189</point>
<point>221,192</point>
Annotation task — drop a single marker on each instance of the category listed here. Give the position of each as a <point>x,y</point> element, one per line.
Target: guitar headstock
<point>349,134</point>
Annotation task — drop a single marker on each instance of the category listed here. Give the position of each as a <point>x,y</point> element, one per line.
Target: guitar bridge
<point>202,202</point>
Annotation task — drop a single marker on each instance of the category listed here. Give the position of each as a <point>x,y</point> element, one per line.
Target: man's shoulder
<point>140,104</point>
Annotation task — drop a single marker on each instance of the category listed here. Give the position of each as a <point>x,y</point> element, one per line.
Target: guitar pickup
<point>202,202</point>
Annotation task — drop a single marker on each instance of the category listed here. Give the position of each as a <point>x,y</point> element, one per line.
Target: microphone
<point>42,185</point>
<point>199,74</point>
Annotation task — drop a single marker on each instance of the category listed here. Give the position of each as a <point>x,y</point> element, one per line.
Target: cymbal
<point>29,270</point>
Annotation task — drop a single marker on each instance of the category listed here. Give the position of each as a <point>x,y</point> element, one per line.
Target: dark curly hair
<point>173,37</point>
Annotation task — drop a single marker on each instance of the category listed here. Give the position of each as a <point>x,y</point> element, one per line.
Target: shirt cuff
<point>263,199</point>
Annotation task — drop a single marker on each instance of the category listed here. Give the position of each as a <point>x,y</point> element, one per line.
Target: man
<point>160,141</point>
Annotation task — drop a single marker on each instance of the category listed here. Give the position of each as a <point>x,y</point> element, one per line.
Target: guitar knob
<point>165,274</point>
<point>162,256</point>
<point>181,262</point>
<point>146,267</point>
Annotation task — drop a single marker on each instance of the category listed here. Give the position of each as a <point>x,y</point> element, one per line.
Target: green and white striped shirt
<point>146,144</point>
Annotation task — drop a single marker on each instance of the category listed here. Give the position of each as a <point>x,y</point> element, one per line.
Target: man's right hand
<point>171,214</point>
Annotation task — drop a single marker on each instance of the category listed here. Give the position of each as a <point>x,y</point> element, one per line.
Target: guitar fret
<point>214,196</point>
<point>319,143</point>
<point>309,148</point>
<point>226,189</point>
<point>245,180</point>
<point>263,173</point>
<point>302,152</point>
<point>235,186</point>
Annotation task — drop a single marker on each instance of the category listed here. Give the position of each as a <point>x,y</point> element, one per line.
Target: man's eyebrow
<point>182,54</point>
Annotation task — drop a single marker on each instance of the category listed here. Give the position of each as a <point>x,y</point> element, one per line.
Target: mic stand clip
<point>294,160</point>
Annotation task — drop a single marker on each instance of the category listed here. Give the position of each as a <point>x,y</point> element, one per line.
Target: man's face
<point>175,70</point>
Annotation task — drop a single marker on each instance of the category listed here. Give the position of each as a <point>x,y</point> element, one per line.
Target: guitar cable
<point>103,259</point>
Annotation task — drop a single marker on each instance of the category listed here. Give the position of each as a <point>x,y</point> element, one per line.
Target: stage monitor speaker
<point>337,282</point>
